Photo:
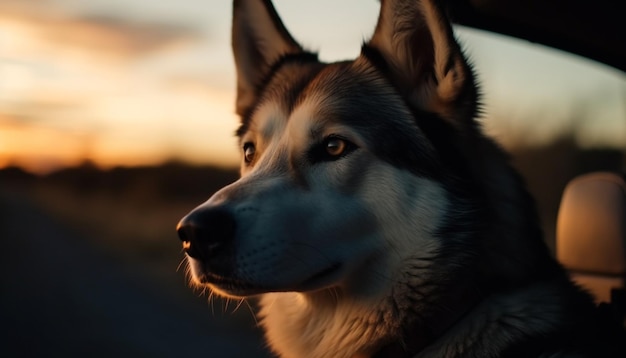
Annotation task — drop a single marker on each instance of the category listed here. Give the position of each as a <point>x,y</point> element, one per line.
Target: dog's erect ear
<point>423,59</point>
<point>259,38</point>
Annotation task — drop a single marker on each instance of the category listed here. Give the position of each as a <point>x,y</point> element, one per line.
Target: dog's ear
<point>425,63</point>
<point>259,39</point>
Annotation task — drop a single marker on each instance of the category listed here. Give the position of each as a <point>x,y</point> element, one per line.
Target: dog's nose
<point>206,232</point>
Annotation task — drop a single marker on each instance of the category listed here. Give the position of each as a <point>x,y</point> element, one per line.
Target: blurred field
<point>89,267</point>
<point>130,212</point>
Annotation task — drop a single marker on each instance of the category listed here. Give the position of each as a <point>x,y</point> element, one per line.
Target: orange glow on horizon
<point>38,149</point>
<point>132,134</point>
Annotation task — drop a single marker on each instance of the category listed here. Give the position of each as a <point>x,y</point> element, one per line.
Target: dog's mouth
<point>232,286</point>
<point>322,278</point>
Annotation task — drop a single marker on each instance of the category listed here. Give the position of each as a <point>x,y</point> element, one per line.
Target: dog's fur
<point>372,217</point>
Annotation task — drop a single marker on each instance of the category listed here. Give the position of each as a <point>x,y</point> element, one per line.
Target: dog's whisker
<point>202,290</point>
<point>238,305</point>
<point>211,302</point>
<point>225,305</point>
<point>252,311</point>
<point>181,263</point>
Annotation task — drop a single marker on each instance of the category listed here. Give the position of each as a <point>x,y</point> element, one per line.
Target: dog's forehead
<point>276,99</point>
<point>318,95</point>
<point>269,119</point>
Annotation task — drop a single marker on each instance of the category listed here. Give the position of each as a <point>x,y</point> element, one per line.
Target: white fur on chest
<point>300,326</point>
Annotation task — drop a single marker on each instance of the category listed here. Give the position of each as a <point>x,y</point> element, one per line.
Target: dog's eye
<point>330,149</point>
<point>335,146</point>
<point>248,152</point>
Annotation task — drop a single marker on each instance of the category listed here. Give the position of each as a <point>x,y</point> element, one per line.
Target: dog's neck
<point>298,325</point>
<point>419,334</point>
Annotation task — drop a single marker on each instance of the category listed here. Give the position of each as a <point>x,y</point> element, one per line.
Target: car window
<point>558,114</point>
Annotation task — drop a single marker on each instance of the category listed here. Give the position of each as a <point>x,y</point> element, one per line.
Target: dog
<point>373,218</point>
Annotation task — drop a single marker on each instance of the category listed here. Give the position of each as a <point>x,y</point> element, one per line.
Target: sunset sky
<point>127,82</point>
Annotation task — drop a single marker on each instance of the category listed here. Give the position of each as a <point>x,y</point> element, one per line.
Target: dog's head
<point>348,169</point>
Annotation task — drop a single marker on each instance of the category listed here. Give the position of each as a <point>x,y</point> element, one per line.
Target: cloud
<point>103,35</point>
<point>108,35</point>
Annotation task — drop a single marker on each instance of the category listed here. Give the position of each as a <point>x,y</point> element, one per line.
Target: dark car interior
<point>591,236</point>
<point>591,226</point>
<point>593,30</point>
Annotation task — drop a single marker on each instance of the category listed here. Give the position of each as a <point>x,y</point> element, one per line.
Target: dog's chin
<point>238,288</point>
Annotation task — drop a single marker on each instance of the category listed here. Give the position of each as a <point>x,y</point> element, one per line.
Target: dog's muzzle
<point>207,235</point>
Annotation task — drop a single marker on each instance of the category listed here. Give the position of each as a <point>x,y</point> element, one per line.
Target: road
<point>61,297</point>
